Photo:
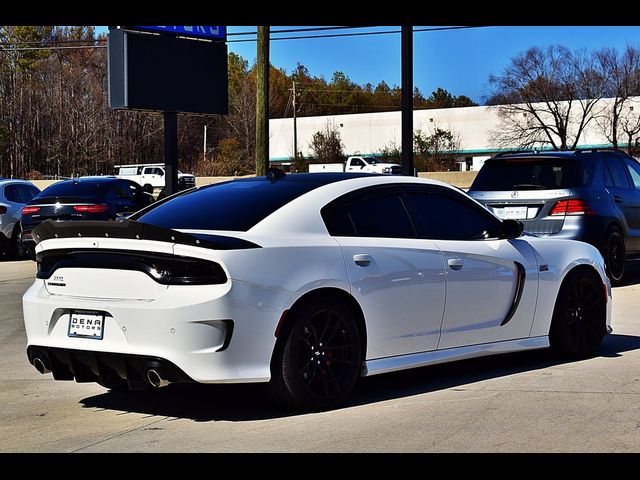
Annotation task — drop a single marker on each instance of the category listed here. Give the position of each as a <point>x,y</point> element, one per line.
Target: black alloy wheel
<point>17,248</point>
<point>579,317</point>
<point>615,256</point>
<point>320,359</point>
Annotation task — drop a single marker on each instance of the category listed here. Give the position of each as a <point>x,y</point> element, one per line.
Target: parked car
<point>307,282</point>
<point>88,198</point>
<point>14,194</point>
<point>587,195</point>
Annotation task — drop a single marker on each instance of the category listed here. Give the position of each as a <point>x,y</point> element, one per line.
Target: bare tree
<point>435,150</point>
<point>622,73</point>
<point>546,98</point>
<point>327,145</point>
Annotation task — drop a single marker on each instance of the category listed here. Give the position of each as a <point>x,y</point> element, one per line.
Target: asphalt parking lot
<point>517,402</point>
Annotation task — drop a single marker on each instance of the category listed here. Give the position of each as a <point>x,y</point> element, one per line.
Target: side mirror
<point>512,228</point>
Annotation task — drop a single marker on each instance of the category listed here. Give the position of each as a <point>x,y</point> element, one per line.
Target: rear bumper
<point>188,327</point>
<point>108,369</point>
<point>585,228</point>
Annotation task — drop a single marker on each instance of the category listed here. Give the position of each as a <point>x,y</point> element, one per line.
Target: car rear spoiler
<point>131,229</point>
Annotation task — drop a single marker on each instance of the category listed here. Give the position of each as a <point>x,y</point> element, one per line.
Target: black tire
<point>615,256</point>
<point>318,357</point>
<point>579,316</point>
<point>17,249</point>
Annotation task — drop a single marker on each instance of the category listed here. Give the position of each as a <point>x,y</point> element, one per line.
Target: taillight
<point>91,208</point>
<point>30,210</point>
<point>3,209</point>
<point>574,206</point>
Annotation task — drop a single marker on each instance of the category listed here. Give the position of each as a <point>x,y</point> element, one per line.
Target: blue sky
<point>457,60</point>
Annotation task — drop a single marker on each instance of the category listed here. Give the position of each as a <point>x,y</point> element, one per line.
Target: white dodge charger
<point>307,282</point>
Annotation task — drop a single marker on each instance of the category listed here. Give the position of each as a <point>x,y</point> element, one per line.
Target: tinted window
<point>237,205</point>
<point>615,176</point>
<point>12,194</point>
<point>634,171</point>
<point>356,162</point>
<point>443,215</point>
<point>123,190</point>
<point>75,189</point>
<point>30,192</point>
<point>586,172</point>
<point>369,213</point>
<point>525,174</point>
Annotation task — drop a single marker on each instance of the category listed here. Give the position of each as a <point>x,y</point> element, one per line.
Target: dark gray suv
<point>588,195</point>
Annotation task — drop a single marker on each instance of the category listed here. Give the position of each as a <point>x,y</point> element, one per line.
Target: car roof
<point>5,181</point>
<point>89,180</point>
<point>576,154</point>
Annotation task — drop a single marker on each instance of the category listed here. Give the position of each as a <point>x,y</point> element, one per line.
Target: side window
<point>634,171</point>
<point>30,192</point>
<point>149,171</point>
<point>443,215</point>
<point>356,162</point>
<point>369,214</point>
<point>123,190</point>
<point>614,174</point>
<point>12,193</point>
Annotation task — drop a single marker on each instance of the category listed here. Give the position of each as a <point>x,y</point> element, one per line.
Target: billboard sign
<point>217,32</point>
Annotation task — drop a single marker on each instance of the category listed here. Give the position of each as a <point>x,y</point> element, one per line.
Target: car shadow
<point>205,403</point>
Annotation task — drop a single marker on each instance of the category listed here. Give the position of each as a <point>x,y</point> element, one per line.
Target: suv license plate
<point>514,213</point>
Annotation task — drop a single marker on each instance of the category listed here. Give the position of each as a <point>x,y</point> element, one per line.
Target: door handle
<point>455,263</point>
<point>617,199</point>
<point>362,259</point>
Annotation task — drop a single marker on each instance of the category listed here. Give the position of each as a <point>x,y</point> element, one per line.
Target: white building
<point>369,133</point>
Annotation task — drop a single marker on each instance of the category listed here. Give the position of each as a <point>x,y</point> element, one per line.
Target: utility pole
<point>407,100</point>
<point>204,144</point>
<point>262,102</point>
<point>295,125</point>
<point>170,152</point>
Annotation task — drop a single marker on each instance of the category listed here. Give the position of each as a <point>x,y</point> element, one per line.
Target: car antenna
<point>274,174</point>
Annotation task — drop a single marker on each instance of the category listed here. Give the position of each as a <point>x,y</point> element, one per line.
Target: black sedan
<point>91,198</point>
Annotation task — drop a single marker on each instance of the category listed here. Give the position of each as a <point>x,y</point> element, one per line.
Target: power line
<point>74,47</point>
<point>293,30</point>
<point>360,34</point>
<point>70,47</point>
<point>301,37</point>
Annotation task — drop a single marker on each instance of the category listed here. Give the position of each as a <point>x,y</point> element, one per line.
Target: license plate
<point>86,324</point>
<point>513,213</point>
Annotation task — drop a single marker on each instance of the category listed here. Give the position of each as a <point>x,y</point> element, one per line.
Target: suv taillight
<point>30,210</point>
<point>91,208</point>
<point>575,206</point>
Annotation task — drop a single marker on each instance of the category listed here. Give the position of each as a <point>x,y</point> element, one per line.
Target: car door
<point>491,283</point>
<point>150,175</point>
<point>618,184</point>
<point>397,279</point>
<point>355,165</point>
<point>632,208</point>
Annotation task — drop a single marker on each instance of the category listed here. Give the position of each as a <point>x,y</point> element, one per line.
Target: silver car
<point>14,194</point>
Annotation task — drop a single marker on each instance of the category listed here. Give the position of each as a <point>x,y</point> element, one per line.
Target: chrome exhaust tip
<point>40,365</point>
<point>154,378</point>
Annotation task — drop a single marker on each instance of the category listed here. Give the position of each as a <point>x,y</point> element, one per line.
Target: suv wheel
<point>615,256</point>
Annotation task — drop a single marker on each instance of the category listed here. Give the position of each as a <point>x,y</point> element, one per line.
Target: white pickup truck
<point>358,164</point>
<point>152,174</point>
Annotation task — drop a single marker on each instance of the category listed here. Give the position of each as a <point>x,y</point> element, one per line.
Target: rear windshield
<point>532,174</point>
<point>75,189</point>
<point>236,206</point>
